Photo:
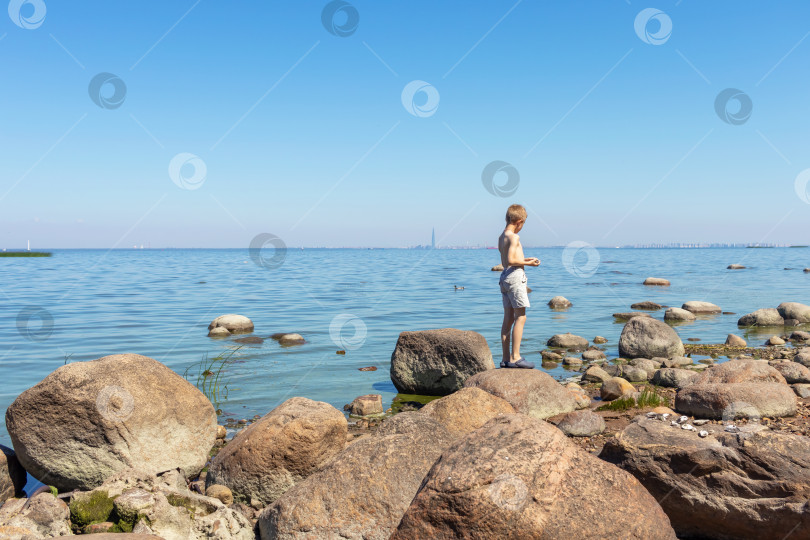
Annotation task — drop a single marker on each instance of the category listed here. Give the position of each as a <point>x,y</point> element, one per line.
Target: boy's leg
<point>519,316</point>
<point>506,332</point>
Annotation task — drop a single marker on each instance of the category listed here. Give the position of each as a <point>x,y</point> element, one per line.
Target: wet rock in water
<point>285,446</point>
<point>634,374</point>
<point>645,337</point>
<point>568,341</point>
<point>806,270</point>
<point>366,405</point>
<point>287,339</point>
<point>649,366</point>
<point>437,362</point>
<point>614,388</point>
<point>593,354</point>
<point>572,361</point>
<point>41,516</point>
<point>660,282</point>
<point>693,339</point>
<point>529,391</point>
<point>595,374</point>
<point>626,316</point>
<point>518,477</point>
<point>367,368</point>
<point>550,356</point>
<point>497,268</point>
<point>673,377</point>
<point>736,400</point>
<point>235,324</point>
<point>559,302</point>
<point>727,485</point>
<point>677,362</point>
<point>363,491</point>
<point>599,340</point>
<point>466,410</point>
<point>696,306</point>
<point>250,340</point>
<point>582,424</point>
<point>762,317</point>
<point>774,341</point>
<point>109,414</point>
<point>12,475</point>
<point>678,314</point>
<point>793,372</point>
<point>800,335</point>
<point>735,341</point>
<point>219,332</point>
<point>741,371</point>
<point>794,310</point>
<point>647,304</point>
<point>735,267</point>
<point>220,492</point>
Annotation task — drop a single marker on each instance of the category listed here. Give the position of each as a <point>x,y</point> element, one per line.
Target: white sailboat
<point>29,245</point>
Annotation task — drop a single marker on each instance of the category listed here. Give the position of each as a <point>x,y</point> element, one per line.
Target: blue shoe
<point>521,363</point>
<point>503,364</point>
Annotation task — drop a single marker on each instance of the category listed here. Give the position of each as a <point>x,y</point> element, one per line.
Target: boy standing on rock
<point>513,287</point>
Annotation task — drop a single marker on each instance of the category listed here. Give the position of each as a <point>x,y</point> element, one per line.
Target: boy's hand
<point>533,261</point>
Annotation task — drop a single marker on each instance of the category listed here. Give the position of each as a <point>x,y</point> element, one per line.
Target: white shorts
<point>513,288</point>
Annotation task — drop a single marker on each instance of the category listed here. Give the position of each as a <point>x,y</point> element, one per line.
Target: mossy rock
<point>91,507</point>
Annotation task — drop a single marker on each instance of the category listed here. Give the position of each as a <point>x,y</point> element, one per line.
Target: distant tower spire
<point>433,239</point>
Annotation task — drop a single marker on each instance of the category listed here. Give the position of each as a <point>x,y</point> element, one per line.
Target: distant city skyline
<point>193,125</point>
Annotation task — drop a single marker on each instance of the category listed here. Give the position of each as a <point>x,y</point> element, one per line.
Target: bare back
<point>511,249</point>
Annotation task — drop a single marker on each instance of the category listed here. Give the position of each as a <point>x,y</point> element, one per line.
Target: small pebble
<point>700,422</point>
<point>731,428</point>
<point>683,419</point>
<point>674,424</point>
<point>688,427</point>
<point>665,415</point>
<point>703,434</point>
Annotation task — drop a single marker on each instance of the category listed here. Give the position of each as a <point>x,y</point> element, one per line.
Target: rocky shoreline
<point>710,450</point>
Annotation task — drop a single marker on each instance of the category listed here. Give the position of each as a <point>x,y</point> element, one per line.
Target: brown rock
<point>660,282</point>
<point>41,516</point>
<point>626,316</point>
<point>582,424</point>
<point>774,341</point>
<point>529,391</point>
<point>735,341</point>
<point>221,432</point>
<point>366,405</point>
<point>437,362</point>
<point>648,305</point>
<point>614,388</point>
<point>696,306</point>
<point>12,475</point>
<point>568,341</point>
<point>362,492</point>
<point>739,371</point>
<point>644,337</point>
<point>220,492</point>
<point>762,317</point>
<point>728,401</point>
<point>600,340</point>
<point>285,446</point>
<point>559,302</point>
<point>466,410</point>
<point>793,372</point>
<point>518,477</point>
<point>235,324</point>
<point>595,374</point>
<point>107,415</point>
<point>287,339</point>
<point>730,486</point>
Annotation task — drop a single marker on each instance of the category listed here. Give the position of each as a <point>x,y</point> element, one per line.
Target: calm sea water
<point>158,303</point>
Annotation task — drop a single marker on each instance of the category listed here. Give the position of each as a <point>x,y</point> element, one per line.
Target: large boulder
<point>678,314</point>
<point>89,420</point>
<point>41,516</point>
<point>730,486</point>
<point>739,371</point>
<point>673,377</point>
<point>362,492</point>
<point>559,302</point>
<point>649,338</point>
<point>696,306</point>
<point>762,317</point>
<point>795,311</point>
<point>793,372</point>
<point>235,324</point>
<point>437,362</point>
<point>614,388</point>
<point>282,448</point>
<point>12,475</point>
<point>567,341</point>
<point>518,477</point>
<point>529,391</point>
<point>466,410</point>
<point>582,424</point>
<point>727,401</point>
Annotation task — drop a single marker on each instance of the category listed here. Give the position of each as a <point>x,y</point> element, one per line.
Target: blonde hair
<point>515,213</point>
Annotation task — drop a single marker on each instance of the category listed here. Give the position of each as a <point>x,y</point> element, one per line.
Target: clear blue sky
<point>304,134</point>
